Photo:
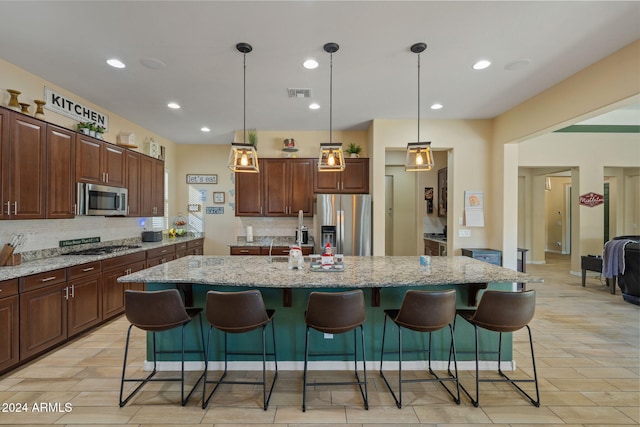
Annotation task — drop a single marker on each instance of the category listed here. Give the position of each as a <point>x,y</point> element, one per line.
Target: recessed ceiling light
<point>314,106</point>
<point>153,63</point>
<point>115,63</point>
<point>310,64</point>
<point>436,106</point>
<point>205,129</point>
<point>481,65</point>
<point>517,65</point>
<point>173,105</point>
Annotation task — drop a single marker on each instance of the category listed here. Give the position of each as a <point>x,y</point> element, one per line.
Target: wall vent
<point>299,93</point>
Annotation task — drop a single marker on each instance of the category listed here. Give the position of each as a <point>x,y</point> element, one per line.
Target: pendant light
<point>243,157</point>
<point>418,153</point>
<point>331,158</point>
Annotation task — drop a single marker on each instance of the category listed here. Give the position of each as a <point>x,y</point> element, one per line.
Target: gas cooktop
<point>104,250</point>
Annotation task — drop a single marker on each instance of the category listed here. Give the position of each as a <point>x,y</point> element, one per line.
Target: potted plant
<point>252,135</point>
<point>99,131</point>
<point>353,150</point>
<point>83,127</point>
<point>92,129</point>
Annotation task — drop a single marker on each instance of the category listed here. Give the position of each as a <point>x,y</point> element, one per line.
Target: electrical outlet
<point>328,336</point>
<point>460,221</point>
<point>464,233</point>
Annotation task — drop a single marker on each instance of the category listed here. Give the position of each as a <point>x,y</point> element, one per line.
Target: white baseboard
<point>416,365</point>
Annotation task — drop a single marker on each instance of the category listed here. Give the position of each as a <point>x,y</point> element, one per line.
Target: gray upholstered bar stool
<point>158,311</point>
<point>336,313</point>
<point>422,311</point>
<point>237,313</point>
<point>502,312</point>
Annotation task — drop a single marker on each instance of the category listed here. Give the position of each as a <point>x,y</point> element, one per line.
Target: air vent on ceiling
<point>299,93</point>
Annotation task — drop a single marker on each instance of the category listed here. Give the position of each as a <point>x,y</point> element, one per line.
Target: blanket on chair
<point>613,258</point>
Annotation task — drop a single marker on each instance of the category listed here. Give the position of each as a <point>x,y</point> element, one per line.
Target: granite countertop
<point>62,261</point>
<point>263,241</point>
<point>436,237</point>
<point>359,272</point>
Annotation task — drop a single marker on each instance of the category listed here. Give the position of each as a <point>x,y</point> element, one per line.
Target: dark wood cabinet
<point>434,248</point>
<point>161,255</point>
<point>132,166</point>
<point>24,165</point>
<point>61,163</point>
<point>249,192</point>
<point>265,250</point>
<point>84,297</point>
<point>244,250</point>
<point>112,290</point>
<point>195,247</point>
<point>353,180</point>
<point>287,184</point>
<point>43,319</point>
<point>99,162</point>
<point>9,324</point>
<point>151,186</point>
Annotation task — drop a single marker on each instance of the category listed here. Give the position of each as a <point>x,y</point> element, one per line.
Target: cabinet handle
<point>46,279</point>
<point>88,269</point>
<point>9,207</point>
<point>73,291</point>
<point>15,208</point>
<point>75,209</point>
<point>107,174</point>
<point>66,293</point>
<point>244,251</point>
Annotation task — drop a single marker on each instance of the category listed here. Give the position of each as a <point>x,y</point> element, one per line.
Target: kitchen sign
<point>591,199</point>
<point>60,104</point>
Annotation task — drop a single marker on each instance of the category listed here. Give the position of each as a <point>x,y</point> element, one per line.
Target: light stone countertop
<point>265,241</point>
<point>63,261</point>
<point>359,272</point>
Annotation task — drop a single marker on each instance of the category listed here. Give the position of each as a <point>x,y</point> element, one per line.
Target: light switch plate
<point>464,233</point>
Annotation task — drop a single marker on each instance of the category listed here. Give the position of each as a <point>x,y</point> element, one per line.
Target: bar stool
<point>336,313</point>
<point>158,311</point>
<point>422,311</point>
<point>236,313</point>
<point>501,312</point>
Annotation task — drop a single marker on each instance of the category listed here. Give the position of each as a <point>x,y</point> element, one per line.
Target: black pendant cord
<point>418,140</point>
<point>331,98</point>
<point>244,96</point>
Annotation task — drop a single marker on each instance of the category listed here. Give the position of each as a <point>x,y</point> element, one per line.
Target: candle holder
<point>39,114</point>
<point>13,101</point>
<point>25,107</point>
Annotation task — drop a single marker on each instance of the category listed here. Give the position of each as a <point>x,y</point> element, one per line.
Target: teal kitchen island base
<point>384,280</point>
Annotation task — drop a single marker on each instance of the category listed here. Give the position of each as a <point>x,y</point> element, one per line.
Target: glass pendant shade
<point>419,157</point>
<point>331,158</point>
<point>243,158</point>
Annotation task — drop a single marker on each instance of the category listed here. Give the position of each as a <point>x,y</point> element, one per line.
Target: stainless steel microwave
<point>96,199</point>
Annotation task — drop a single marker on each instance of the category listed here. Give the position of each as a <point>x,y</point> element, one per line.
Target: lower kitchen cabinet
<point>266,250</point>
<point>244,250</point>
<point>43,319</point>
<point>195,247</point>
<point>161,255</point>
<point>492,256</point>
<point>9,324</point>
<point>84,296</point>
<point>112,290</point>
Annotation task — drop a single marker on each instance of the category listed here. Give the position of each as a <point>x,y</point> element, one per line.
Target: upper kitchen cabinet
<point>353,180</point>
<point>24,163</point>
<point>132,166</point>
<point>249,192</point>
<point>287,187</point>
<point>151,186</point>
<point>61,162</point>
<point>99,162</point>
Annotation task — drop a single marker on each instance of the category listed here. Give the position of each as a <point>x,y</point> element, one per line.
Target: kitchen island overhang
<point>383,279</point>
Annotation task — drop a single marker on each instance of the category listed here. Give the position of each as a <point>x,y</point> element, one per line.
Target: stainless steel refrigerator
<point>345,220</point>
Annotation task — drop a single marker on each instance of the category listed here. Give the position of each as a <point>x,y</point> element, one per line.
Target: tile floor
<point>587,353</point>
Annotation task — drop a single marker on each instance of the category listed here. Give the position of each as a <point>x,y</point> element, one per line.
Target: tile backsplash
<point>46,234</point>
<point>278,227</point>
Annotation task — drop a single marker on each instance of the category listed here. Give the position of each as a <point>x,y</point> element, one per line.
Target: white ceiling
<point>374,73</point>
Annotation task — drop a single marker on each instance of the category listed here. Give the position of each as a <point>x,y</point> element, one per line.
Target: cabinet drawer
<point>110,263</point>
<point>490,258</point>
<point>83,270</point>
<point>152,262</point>
<point>181,246</point>
<point>8,288</point>
<point>195,243</point>
<point>245,250</point>
<point>41,280</point>
<point>158,252</point>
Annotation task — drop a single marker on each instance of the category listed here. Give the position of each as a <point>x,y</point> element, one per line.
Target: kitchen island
<point>383,279</point>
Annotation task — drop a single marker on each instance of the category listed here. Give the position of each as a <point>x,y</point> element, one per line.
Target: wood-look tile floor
<point>587,352</point>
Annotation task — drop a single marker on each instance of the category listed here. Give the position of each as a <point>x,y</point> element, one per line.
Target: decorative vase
<point>39,114</point>
<point>25,107</point>
<point>85,131</point>
<point>354,155</point>
<point>92,133</point>
<point>13,101</point>
<point>99,135</point>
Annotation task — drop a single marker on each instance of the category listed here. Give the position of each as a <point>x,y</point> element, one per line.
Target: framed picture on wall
<point>218,197</point>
